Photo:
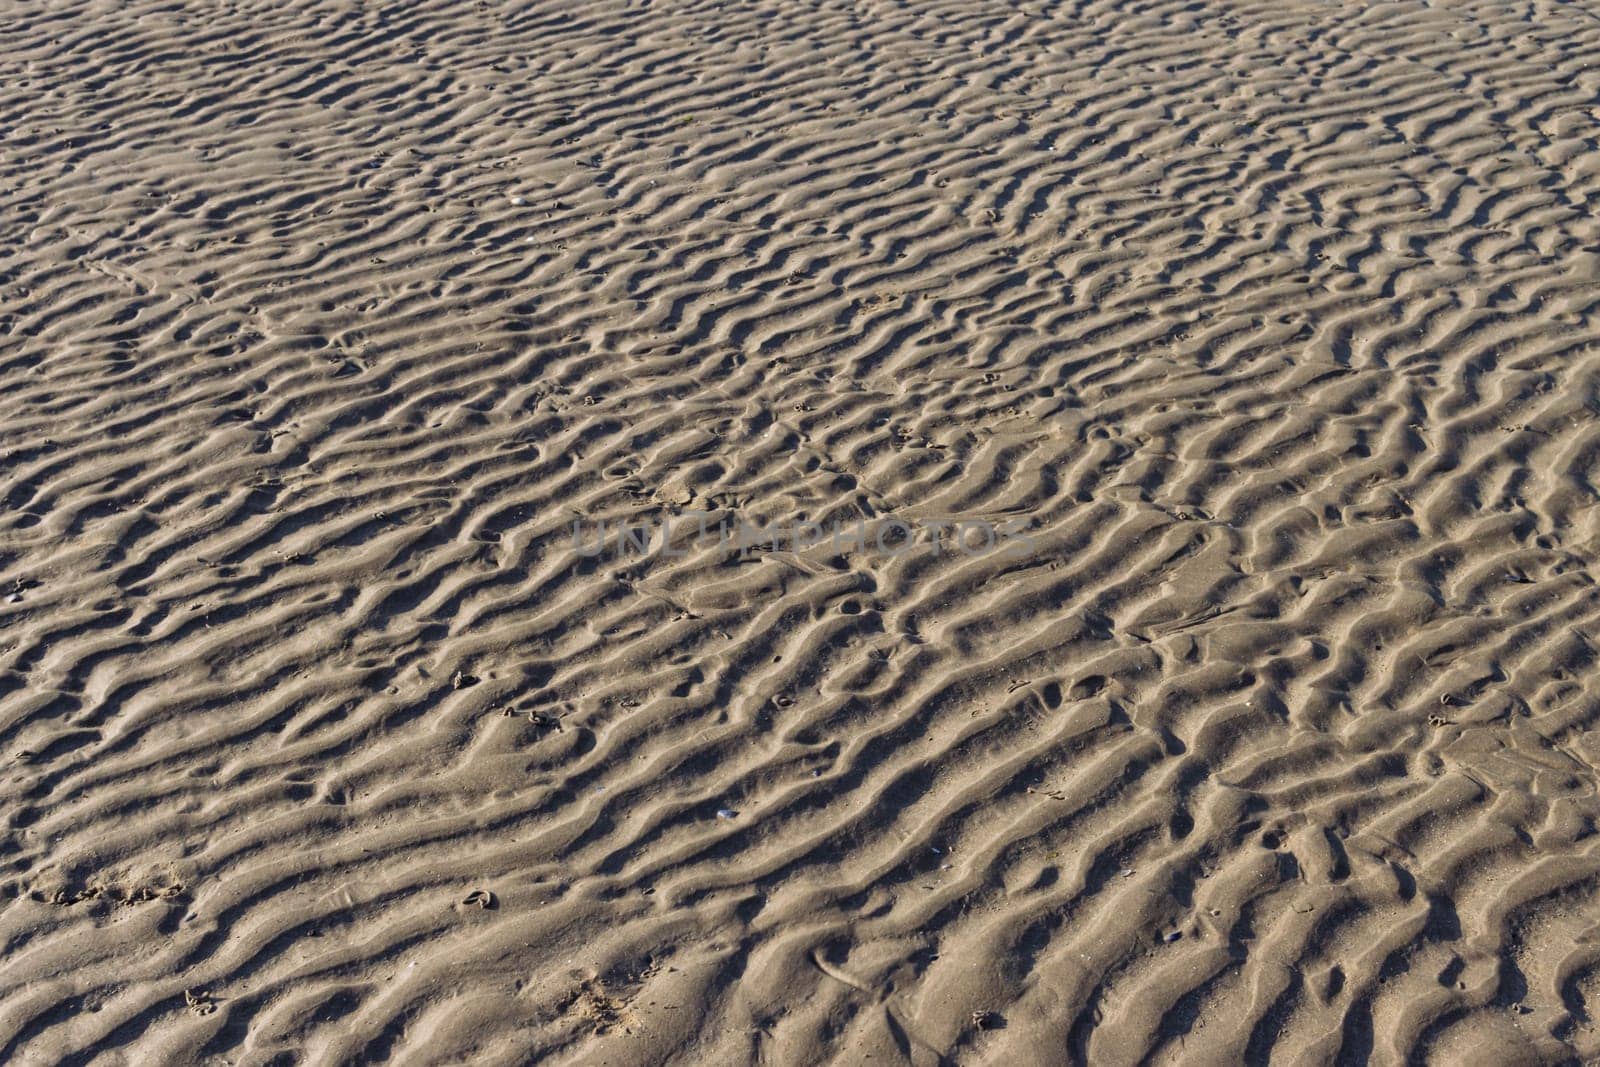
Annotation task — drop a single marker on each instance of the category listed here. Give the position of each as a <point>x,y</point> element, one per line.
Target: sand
<point>1268,333</point>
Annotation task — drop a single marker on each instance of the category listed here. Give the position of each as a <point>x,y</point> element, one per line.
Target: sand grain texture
<point>1276,324</point>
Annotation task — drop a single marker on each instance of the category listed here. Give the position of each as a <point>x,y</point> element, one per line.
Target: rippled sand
<point>1273,327</point>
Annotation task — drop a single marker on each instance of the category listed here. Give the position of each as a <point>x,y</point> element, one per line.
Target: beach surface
<point>1171,429</point>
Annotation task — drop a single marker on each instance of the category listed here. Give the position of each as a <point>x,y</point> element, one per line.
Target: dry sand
<point>1274,326</point>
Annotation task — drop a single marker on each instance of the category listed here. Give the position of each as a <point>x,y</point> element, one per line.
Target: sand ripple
<point>1275,324</point>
